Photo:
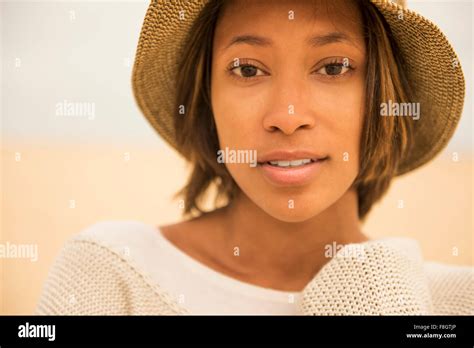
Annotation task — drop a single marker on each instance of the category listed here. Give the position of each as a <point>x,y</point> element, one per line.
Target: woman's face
<point>288,82</point>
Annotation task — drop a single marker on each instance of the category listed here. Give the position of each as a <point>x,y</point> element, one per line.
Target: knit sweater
<point>108,269</point>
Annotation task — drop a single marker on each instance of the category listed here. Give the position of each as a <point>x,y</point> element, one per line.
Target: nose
<point>288,111</point>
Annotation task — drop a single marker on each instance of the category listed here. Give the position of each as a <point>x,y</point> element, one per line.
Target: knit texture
<point>89,279</point>
<point>103,271</point>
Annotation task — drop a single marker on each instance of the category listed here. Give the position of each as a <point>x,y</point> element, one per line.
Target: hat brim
<point>431,65</point>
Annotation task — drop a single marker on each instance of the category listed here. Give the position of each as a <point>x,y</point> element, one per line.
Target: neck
<point>289,252</point>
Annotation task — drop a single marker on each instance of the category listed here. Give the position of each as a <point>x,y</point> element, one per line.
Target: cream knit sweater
<point>109,270</point>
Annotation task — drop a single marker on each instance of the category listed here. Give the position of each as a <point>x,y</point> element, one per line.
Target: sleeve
<point>378,277</point>
<point>452,288</point>
<point>85,279</point>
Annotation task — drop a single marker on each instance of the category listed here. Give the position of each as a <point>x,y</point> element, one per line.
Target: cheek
<point>236,114</point>
<point>341,112</point>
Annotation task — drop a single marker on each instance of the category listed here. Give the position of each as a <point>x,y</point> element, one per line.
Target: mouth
<point>292,173</point>
<point>290,164</point>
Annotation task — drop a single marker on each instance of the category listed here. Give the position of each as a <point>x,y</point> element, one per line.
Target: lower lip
<point>291,176</point>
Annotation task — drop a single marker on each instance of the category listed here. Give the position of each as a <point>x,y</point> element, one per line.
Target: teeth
<point>294,163</point>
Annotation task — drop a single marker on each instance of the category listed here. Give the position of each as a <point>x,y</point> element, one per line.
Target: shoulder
<point>117,234</point>
<point>129,242</point>
<point>452,288</point>
<point>132,242</point>
<point>102,270</point>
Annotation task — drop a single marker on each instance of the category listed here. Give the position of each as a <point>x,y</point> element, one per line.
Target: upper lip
<point>289,155</point>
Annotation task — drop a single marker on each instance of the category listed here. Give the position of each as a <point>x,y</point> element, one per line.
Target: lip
<point>291,176</point>
<point>289,155</point>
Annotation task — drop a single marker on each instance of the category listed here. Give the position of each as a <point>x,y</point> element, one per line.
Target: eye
<point>333,69</point>
<point>247,71</point>
<point>336,67</point>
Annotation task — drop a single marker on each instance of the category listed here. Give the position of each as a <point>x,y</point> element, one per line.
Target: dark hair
<point>384,140</point>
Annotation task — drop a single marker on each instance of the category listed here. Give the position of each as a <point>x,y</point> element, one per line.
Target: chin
<point>292,216</point>
<point>303,209</point>
<point>289,204</point>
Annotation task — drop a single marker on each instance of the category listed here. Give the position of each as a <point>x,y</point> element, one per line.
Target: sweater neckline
<point>224,280</point>
<point>351,251</point>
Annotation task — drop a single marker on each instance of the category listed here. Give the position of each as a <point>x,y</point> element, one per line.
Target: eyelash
<point>339,61</point>
<point>335,61</point>
<point>242,64</point>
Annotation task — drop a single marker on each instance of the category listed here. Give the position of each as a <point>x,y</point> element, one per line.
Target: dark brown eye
<point>248,70</point>
<point>245,70</point>
<point>333,69</point>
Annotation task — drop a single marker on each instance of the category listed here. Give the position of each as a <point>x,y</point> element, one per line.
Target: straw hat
<point>430,61</point>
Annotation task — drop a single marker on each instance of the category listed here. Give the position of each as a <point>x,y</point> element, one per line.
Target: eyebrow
<point>314,41</point>
<point>321,40</point>
<point>252,40</point>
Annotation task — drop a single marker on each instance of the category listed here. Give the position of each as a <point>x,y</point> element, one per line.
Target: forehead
<point>284,21</point>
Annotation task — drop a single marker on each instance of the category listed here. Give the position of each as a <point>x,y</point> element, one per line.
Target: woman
<point>298,114</point>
